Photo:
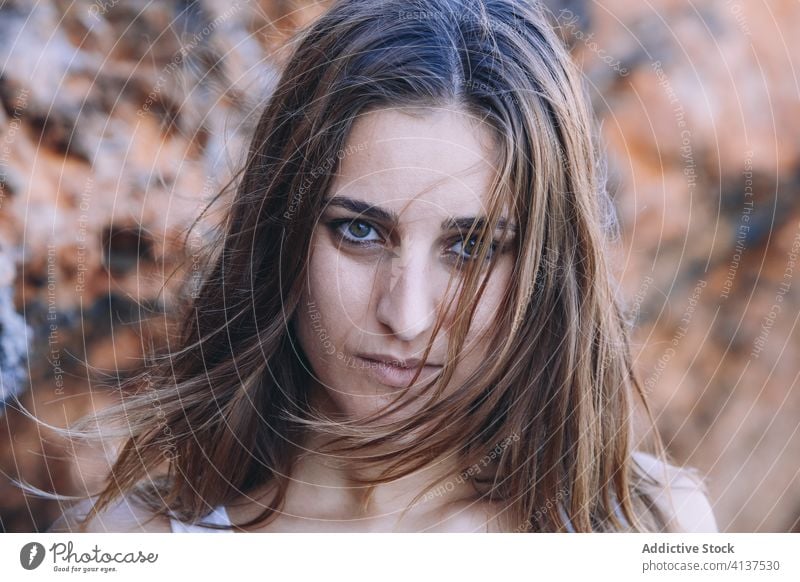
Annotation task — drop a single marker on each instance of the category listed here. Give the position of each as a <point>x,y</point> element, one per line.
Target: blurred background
<point>120,119</point>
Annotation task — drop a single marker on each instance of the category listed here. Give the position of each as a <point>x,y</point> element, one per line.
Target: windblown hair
<point>557,398</point>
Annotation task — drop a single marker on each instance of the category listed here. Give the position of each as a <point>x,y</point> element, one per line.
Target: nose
<point>406,304</point>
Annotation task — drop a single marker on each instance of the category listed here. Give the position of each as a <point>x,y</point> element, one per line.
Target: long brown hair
<point>553,408</point>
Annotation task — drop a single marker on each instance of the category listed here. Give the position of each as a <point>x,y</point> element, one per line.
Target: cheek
<point>339,289</point>
<point>488,307</point>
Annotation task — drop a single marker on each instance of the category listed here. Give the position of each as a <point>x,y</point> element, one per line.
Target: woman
<point>409,320</point>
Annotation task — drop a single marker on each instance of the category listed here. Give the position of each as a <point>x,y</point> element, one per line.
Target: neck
<point>332,484</point>
<point>326,485</point>
<point>323,494</point>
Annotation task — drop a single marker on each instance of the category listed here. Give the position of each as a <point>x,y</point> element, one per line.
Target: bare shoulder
<point>124,515</point>
<point>472,517</point>
<point>684,495</point>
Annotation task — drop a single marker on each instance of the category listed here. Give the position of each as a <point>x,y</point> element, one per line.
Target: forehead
<point>442,160</point>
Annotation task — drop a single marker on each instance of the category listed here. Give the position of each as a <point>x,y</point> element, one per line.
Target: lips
<point>396,376</point>
<point>396,361</point>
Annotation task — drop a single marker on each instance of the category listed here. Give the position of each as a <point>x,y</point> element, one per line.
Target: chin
<point>367,404</point>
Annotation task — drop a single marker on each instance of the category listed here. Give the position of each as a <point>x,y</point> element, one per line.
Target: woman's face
<point>392,233</point>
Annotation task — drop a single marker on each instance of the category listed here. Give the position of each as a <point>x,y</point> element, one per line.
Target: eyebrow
<point>462,223</point>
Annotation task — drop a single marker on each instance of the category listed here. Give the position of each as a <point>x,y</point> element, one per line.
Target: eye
<point>471,247</point>
<point>355,231</point>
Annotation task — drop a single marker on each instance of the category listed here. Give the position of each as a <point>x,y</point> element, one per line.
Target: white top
<point>217,516</point>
